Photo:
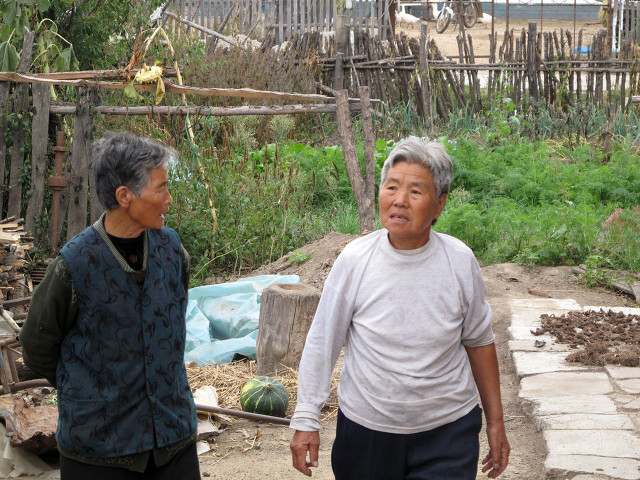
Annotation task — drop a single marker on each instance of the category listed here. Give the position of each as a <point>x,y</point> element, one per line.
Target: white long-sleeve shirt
<point>404,318</point>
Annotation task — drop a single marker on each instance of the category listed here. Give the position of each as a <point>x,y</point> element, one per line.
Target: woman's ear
<point>440,205</point>
<point>123,196</point>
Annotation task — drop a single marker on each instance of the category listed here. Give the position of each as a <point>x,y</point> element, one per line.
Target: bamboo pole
<point>64,109</point>
<point>170,88</point>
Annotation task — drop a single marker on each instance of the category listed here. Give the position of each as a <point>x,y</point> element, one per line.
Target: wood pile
<point>15,244</point>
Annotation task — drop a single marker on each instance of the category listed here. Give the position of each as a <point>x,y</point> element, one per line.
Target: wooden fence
<point>279,19</point>
<point>531,68</point>
<point>71,184</point>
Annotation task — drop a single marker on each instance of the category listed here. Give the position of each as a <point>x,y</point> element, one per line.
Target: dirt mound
<point>312,263</point>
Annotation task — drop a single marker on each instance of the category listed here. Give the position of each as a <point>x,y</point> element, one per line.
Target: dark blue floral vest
<point>122,383</point>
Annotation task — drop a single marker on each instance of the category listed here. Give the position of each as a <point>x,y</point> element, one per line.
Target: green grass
<point>525,203</point>
<point>534,203</point>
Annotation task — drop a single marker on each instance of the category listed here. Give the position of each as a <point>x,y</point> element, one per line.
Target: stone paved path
<point>589,416</point>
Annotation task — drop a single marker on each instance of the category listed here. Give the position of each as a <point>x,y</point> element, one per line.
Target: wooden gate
<point>624,16</point>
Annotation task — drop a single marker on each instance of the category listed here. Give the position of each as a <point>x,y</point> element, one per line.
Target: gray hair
<point>122,158</point>
<point>430,155</point>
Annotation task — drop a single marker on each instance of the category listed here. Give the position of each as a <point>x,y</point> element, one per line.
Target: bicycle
<point>450,11</point>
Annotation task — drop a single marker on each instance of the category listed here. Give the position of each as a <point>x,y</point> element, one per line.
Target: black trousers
<point>449,452</point>
<point>184,466</point>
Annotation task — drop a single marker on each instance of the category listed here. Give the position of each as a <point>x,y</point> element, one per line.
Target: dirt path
<point>234,457</point>
<point>481,34</point>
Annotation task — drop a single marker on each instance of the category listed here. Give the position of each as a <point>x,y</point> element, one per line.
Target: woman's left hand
<point>498,457</point>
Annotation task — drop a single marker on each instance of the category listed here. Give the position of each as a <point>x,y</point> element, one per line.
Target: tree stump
<point>286,313</point>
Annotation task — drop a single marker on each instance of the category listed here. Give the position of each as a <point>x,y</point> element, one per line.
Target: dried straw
<point>229,378</point>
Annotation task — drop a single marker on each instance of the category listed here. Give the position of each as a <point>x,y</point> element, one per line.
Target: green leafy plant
<point>299,257</point>
<point>595,273</point>
<point>619,237</point>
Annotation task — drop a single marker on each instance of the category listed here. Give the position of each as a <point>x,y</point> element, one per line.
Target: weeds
<point>299,257</point>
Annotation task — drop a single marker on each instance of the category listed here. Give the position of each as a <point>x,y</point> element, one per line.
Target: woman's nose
<point>400,198</point>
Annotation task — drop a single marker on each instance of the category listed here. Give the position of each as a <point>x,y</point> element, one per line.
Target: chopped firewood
<point>15,244</point>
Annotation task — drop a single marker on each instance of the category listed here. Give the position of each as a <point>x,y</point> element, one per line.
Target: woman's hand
<point>498,457</point>
<point>302,443</point>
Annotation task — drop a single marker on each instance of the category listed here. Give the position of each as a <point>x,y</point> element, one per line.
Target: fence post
<point>369,143</point>
<point>4,113</point>
<point>532,61</point>
<point>342,43</point>
<point>79,165</point>
<point>425,84</point>
<point>366,210</point>
<point>57,183</point>
<point>21,107</point>
<point>39,138</point>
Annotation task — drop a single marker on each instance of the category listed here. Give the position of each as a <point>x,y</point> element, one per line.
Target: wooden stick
<point>207,111</point>
<point>7,318</point>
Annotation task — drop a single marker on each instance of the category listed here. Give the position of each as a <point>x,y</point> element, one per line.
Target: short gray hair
<point>430,155</point>
<point>122,158</point>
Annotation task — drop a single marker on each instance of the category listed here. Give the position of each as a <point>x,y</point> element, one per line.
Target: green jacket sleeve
<point>52,312</point>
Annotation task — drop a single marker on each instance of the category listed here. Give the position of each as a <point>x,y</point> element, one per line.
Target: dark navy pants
<point>184,466</point>
<point>449,452</point>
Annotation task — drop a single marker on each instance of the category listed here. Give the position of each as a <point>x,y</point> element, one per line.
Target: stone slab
<point>631,385</point>
<point>550,345</point>
<point>526,317</point>
<point>524,333</point>
<point>623,398</point>
<point>634,405</point>
<point>594,404</point>
<point>549,305</point>
<point>603,443</point>
<point>620,468</point>
<point>586,421</point>
<point>590,477</point>
<point>618,372</point>
<point>531,363</point>
<point>565,383</point>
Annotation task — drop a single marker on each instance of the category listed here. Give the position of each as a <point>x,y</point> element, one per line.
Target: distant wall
<point>583,13</point>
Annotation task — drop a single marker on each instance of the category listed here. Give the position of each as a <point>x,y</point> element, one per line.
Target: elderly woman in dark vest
<point>107,328</point>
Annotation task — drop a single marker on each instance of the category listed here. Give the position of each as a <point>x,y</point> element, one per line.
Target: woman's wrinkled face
<point>148,209</point>
<point>408,205</point>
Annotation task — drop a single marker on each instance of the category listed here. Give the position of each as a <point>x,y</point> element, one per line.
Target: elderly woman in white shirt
<point>408,305</point>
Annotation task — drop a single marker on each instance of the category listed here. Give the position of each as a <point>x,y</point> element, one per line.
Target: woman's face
<point>147,210</point>
<point>408,205</point>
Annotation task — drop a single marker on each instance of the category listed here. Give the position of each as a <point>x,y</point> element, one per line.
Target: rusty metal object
<point>241,414</point>
<point>57,183</point>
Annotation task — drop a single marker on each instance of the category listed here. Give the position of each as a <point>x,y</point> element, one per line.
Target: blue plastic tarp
<point>222,319</point>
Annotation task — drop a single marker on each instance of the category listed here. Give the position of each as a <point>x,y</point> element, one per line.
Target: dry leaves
<point>602,336</point>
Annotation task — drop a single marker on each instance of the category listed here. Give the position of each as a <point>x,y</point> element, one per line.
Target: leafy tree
<point>102,31</point>
<point>52,52</point>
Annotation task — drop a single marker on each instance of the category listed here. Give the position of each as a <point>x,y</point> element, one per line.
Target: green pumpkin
<point>264,395</point>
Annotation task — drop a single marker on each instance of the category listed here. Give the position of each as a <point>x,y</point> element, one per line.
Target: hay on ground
<point>229,378</point>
